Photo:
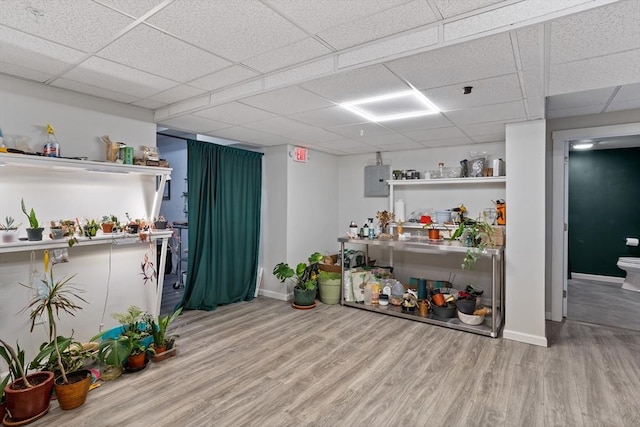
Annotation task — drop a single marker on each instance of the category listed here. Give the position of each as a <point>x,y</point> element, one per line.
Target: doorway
<point>560,283</point>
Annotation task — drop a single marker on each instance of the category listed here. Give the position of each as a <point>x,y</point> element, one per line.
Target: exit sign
<point>300,154</point>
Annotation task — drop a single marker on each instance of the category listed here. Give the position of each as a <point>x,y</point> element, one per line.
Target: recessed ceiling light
<point>393,106</point>
<point>582,146</point>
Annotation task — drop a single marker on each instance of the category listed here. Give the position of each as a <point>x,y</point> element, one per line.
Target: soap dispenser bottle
<point>51,147</point>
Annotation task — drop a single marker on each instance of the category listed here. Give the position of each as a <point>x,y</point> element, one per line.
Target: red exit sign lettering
<point>300,154</point>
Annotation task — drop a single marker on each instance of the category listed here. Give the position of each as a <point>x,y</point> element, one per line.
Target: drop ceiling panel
<point>394,139</point>
<point>450,8</point>
<point>102,73</point>
<point>478,129</point>
<point>391,21</point>
<point>530,46</point>
<point>329,13</point>
<point>235,113</point>
<point>603,71</point>
<point>95,91</point>
<point>612,28</point>
<point>287,101</point>
<point>294,53</point>
<point>193,124</point>
<point>176,94</point>
<point>26,73</point>
<point>410,145</point>
<point>573,112</point>
<point>36,53</point>
<point>155,52</point>
<point>149,104</point>
<point>474,60</point>
<point>494,90</point>
<point>351,85</point>
<point>533,84</point>
<point>348,146</point>
<point>254,27</point>
<point>239,133</point>
<point>433,134</point>
<point>293,129</point>
<point>489,113</point>
<point>271,140</point>
<point>627,98</point>
<point>327,117</point>
<point>135,8</point>
<point>586,98</point>
<point>361,129</point>
<point>222,78</point>
<point>419,123</point>
<point>84,26</point>
<point>449,142</point>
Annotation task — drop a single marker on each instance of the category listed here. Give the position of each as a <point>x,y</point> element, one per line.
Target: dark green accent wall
<point>604,208</point>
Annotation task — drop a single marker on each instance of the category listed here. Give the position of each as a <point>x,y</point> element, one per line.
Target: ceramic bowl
<point>466,306</point>
<point>470,319</point>
<point>447,311</point>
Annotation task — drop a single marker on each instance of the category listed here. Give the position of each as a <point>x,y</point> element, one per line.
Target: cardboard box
<point>497,237</point>
<point>328,264</point>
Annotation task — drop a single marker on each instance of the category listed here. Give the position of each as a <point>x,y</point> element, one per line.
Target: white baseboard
<point>525,338</point>
<point>597,278</point>
<point>276,295</point>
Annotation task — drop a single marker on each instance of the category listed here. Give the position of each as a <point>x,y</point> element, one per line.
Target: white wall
<point>525,250</point>
<point>79,121</point>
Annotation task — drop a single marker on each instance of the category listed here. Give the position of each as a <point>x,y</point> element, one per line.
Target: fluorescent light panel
<point>393,106</point>
<point>584,146</point>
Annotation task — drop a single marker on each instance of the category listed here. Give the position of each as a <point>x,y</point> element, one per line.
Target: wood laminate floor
<point>603,303</point>
<point>263,363</point>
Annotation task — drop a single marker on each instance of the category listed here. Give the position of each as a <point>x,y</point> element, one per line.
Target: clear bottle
<point>51,147</point>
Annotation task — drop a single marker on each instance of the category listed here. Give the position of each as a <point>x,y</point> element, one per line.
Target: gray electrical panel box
<point>375,180</point>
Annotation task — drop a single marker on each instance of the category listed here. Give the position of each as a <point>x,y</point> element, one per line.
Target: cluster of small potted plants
<point>62,362</point>
<point>70,229</point>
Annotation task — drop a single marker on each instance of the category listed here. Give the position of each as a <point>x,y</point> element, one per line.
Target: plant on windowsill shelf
<point>305,277</point>
<point>9,230</point>
<point>34,232</point>
<point>109,224</point>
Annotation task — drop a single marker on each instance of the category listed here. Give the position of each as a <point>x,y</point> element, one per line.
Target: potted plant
<point>113,352</point>
<point>160,223</point>
<point>133,225</point>
<point>432,228</point>
<point>477,236</point>
<point>9,230</point>
<point>305,277</point>
<point>137,335</point>
<point>34,232</point>
<point>25,396</point>
<point>54,297</point>
<point>90,228</point>
<point>109,224</point>
<point>162,343</point>
<point>56,231</point>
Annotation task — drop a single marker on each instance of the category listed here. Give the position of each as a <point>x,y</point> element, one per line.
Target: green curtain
<point>224,196</point>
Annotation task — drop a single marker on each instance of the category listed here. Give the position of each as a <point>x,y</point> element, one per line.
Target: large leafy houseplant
<point>162,343</point>
<point>477,236</point>
<point>305,277</point>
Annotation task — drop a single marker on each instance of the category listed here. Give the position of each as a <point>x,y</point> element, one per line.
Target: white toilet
<point>632,266</point>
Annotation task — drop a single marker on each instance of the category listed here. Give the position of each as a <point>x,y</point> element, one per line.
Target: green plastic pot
<point>329,284</point>
<point>304,297</point>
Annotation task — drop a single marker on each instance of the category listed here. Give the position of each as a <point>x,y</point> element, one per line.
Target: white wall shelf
<point>448,181</point>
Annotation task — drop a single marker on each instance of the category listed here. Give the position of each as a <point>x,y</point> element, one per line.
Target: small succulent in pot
<point>9,230</point>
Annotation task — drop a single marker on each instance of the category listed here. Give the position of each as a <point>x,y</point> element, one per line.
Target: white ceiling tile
<point>287,101</point>
<point>36,53</point>
<point>25,73</point>
<point>320,148</point>
<point>604,71</point>
<point>578,99</point>
<point>269,140</point>
<point>329,13</point>
<point>152,51</point>
<point>189,123</point>
<point>134,8</point>
<point>450,8</point>
<point>596,32</point>
<point>188,105</point>
<point>628,92</point>
<point>411,145</point>
<point>149,104</point>
<point>387,140</point>
<point>535,107</point>
<point>255,28</point>
<point>533,83</point>
<point>391,21</point>
<point>419,123</point>
<point>222,78</point>
<point>361,83</point>
<point>477,129</point>
<point>95,91</point>
<point>431,134</point>
<point>235,92</point>
<point>176,94</point>
<point>347,146</point>
<point>627,104</point>
<point>494,90</point>
<point>239,133</point>
<point>360,130</point>
<point>79,24</point>
<point>530,46</point>
<point>573,112</point>
<point>327,117</point>
<point>293,129</point>
<point>489,113</point>
<point>285,56</point>
<point>102,73</point>
<point>300,73</point>
<point>392,47</point>
<point>449,142</point>
<point>235,113</point>
<point>474,60</point>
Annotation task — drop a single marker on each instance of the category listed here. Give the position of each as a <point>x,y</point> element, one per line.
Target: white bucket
<point>443,217</point>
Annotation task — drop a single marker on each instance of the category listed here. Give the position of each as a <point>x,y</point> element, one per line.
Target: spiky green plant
<point>31,215</point>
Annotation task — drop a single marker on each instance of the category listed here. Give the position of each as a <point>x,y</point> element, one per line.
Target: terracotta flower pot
<point>107,227</point>
<point>135,361</point>
<point>434,234</point>
<point>24,403</point>
<point>74,394</point>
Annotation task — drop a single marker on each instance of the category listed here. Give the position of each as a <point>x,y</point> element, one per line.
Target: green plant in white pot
<point>305,277</point>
